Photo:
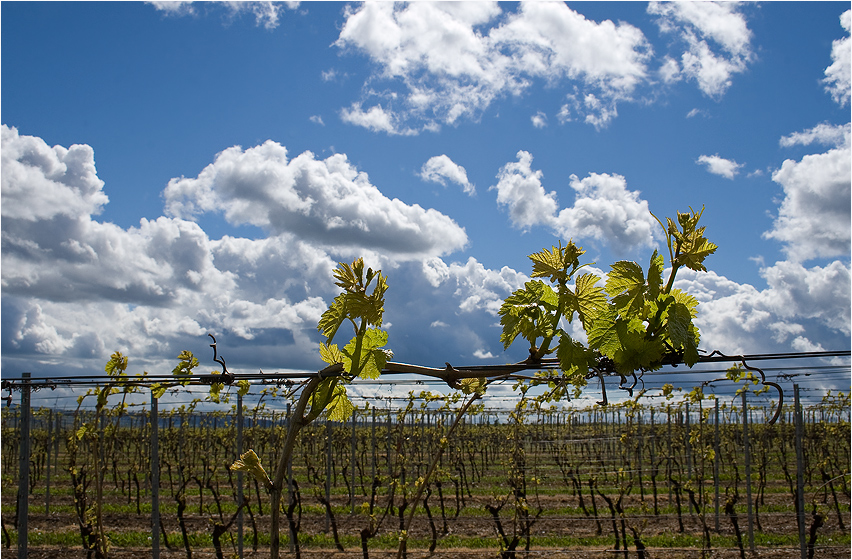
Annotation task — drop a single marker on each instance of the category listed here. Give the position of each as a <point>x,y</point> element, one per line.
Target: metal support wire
<point>449,374</point>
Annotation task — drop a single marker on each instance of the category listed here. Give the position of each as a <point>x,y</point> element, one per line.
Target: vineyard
<point>503,462</point>
<point>677,477</point>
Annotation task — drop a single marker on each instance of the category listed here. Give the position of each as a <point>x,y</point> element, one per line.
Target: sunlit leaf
<point>526,312</point>
<point>244,387</point>
<point>116,365</point>
<point>158,390</point>
<point>332,317</point>
<point>320,398</point>
<point>187,363</point>
<point>473,385</point>
<point>686,299</point>
<point>590,298</point>
<point>574,358</point>
<point>626,285</point>
<point>677,327</point>
<point>347,277</point>
<point>249,462</point>
<point>549,264</point>
<point>340,408</point>
<point>330,354</point>
<point>693,247</point>
<point>215,390</point>
<point>603,334</point>
<point>655,275</point>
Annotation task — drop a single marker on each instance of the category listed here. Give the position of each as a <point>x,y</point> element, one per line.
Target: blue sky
<point>176,169</point>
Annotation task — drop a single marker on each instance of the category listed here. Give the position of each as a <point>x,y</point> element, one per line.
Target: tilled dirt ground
<point>467,526</point>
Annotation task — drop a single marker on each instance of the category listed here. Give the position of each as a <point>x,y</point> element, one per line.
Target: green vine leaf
<point>574,358</point>
<point>215,392</point>
<point>117,365</point>
<point>321,398</point>
<point>603,334</point>
<point>590,299</point>
<point>158,390</point>
<point>340,408</point>
<point>522,313</point>
<point>249,462</point>
<point>679,323</point>
<point>692,246</point>
<point>332,317</point>
<point>330,354</point>
<point>635,350</point>
<point>626,285</point>
<point>686,299</point>
<point>655,275</point>
<point>372,357</point>
<point>473,385</point>
<point>187,363</point>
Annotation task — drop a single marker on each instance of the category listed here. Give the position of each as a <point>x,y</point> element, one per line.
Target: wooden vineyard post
<point>155,481</point>
<point>24,467</point>
<point>800,482</point>
<point>748,474</point>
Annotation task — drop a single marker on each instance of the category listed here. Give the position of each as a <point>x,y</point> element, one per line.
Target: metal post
<point>155,480</point>
<point>352,467</point>
<point>800,479</point>
<point>327,471</point>
<point>290,488</point>
<point>748,474</point>
<point>388,439</point>
<point>240,497</point>
<point>716,464</point>
<point>47,470</point>
<point>24,467</point>
<point>669,442</point>
<point>56,441</point>
<point>688,453</point>
<point>373,473</point>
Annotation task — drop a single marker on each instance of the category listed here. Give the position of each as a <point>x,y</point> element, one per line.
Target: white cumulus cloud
<point>326,201</point>
<point>266,13</point>
<point>519,188</point>
<point>814,217</point>
<point>838,76</point>
<point>717,165</point>
<point>798,305</point>
<point>717,40</point>
<point>604,209</point>
<point>442,63</point>
<point>824,133</point>
<point>440,169</point>
<point>40,182</point>
<point>78,289</point>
